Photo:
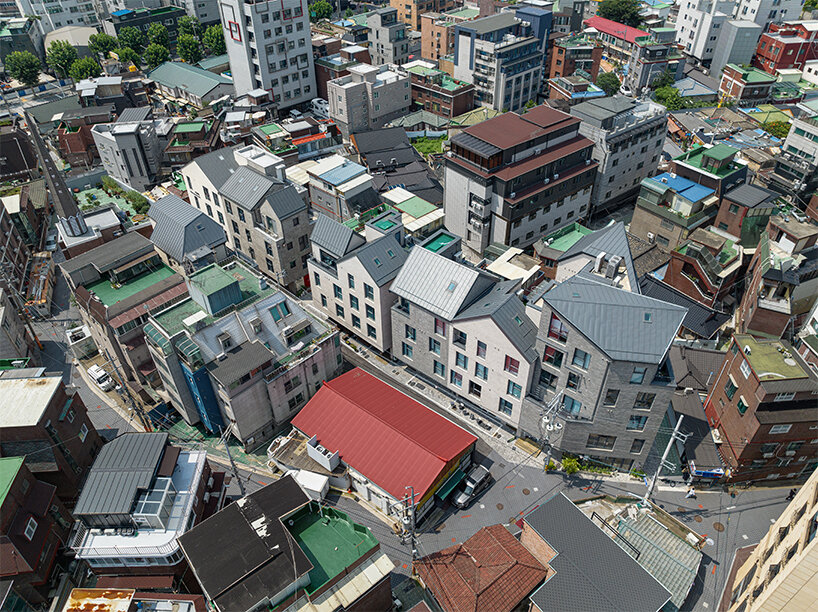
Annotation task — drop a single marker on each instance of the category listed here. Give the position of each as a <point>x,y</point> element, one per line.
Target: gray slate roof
<point>108,255</point>
<point>141,113</point>
<point>218,166</point>
<point>611,240</point>
<point>592,571</point>
<point>180,229</point>
<point>285,200</point>
<point>246,188</point>
<point>750,195</point>
<point>335,238</point>
<point>614,319</point>
<point>125,465</point>
<point>699,320</point>
<point>238,361</point>
<point>695,367</point>
<point>488,24</point>
<point>390,256</point>
<point>192,79</point>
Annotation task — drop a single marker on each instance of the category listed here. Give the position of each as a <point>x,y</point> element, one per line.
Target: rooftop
<point>752,75</point>
<point>689,190</point>
<point>564,238</point>
<point>109,294</point>
<point>197,81</point>
<point>695,157</point>
<point>24,400</point>
<point>9,466</point>
<point>770,359</point>
<point>440,241</point>
<point>617,30</point>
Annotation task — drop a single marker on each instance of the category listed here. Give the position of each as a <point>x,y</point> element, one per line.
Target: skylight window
<point>377,262</point>
<point>452,286</point>
<point>518,320</point>
<point>648,317</point>
<point>390,253</point>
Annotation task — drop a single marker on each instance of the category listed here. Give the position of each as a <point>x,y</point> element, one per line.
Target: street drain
<point>697,518</point>
<point>499,506</point>
<point>526,492</point>
<point>718,527</point>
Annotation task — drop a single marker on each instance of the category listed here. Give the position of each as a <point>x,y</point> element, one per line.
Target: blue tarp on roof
<point>684,187</point>
<point>343,173</point>
<point>121,12</point>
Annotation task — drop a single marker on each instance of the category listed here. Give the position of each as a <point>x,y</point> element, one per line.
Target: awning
<point>448,486</point>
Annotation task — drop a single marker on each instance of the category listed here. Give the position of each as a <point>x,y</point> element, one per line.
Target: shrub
<point>570,465</point>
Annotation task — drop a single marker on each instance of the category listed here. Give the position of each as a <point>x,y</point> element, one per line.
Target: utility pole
<point>547,413</point>
<point>126,392</point>
<point>409,520</point>
<point>676,435</point>
<point>225,433</point>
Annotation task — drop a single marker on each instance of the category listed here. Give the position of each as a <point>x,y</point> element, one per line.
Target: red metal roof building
<point>617,38</point>
<point>489,571</point>
<point>384,435</point>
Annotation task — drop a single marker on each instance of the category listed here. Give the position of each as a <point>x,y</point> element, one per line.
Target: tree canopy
<point>214,40</point>
<point>670,98</point>
<point>59,57</point>
<point>188,48</point>
<point>321,9</point>
<point>621,11</point>
<point>126,54</point>
<point>158,35</point>
<point>779,129</point>
<point>24,67</point>
<point>131,37</point>
<point>84,68</point>
<point>608,82</point>
<point>190,25</point>
<point>155,54</point>
<point>666,79</point>
<point>102,43</point>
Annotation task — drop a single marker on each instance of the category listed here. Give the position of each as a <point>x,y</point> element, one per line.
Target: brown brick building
<point>745,85</point>
<point>573,53</point>
<point>74,133</point>
<point>762,406</point>
<point>410,11</point>
<point>333,66</point>
<point>437,31</point>
<point>435,91</point>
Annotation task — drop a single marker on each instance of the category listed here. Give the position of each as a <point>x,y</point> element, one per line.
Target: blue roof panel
<point>121,12</point>
<point>684,187</point>
<point>343,173</point>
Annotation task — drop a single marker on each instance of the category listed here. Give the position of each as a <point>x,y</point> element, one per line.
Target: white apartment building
<point>206,11</point>
<point>130,152</point>
<point>368,97</point>
<point>268,45</point>
<point>764,12</point>
<point>698,26</point>
<point>340,188</point>
<point>56,14</point>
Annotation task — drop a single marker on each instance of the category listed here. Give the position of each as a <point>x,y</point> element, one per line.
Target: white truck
<point>101,378</point>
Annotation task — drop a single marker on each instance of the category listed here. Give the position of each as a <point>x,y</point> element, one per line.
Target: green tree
<point>131,37</point>
<point>570,465</point>
<point>138,201</point>
<point>810,5</point>
<point>670,98</point>
<point>59,57</point>
<point>102,43</point>
<point>126,54</point>
<point>155,55</point>
<point>666,79</point>
<point>621,11</point>
<point>190,25</point>
<point>530,104</point>
<point>779,129</point>
<point>84,68</point>
<point>608,82</point>
<point>158,34</point>
<point>348,13</point>
<point>320,10</point>
<point>214,40</point>
<point>24,67</point>
<point>188,48</point>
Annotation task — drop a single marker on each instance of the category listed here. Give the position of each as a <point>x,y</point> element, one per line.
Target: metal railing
<point>621,539</point>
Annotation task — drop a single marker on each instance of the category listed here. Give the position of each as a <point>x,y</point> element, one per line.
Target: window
<point>638,376</point>
<point>611,395</point>
<point>601,442</point>
<point>513,389</point>
<point>548,380</point>
<point>745,368</point>
<point>784,397</point>
<point>780,429</point>
<point>440,369</point>
<point>512,366</point>
<point>557,330</point>
<point>644,401</point>
<point>406,350</point>
<point>371,332</point>
<point>410,333</point>
<point>581,359</point>
<point>434,346</point>
<point>573,381</point>
<point>505,406</point>
<point>369,292</point>
<point>339,310</point>
<point>637,422</point>
<point>730,389</point>
<point>370,312</point>
<point>351,281</point>
<point>459,337</point>
<point>83,432</point>
<point>31,529</point>
<point>456,378</point>
<point>553,357</point>
<point>324,301</point>
<point>440,327</point>
<point>356,321</point>
<point>461,361</point>
<point>317,278</point>
<point>481,349</point>
<point>481,371</point>
<point>636,446</point>
<point>741,405</point>
<point>475,389</point>
<point>339,294</point>
<point>570,405</point>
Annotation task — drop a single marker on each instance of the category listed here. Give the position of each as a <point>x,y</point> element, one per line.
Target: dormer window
<point>224,341</point>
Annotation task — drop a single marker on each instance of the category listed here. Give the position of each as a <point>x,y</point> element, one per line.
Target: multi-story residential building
<point>435,91</point>
<point>466,330</point>
<point>130,152</point>
<point>190,139</point>
<point>34,526</point>
<point>736,44</point>
<point>573,89</point>
<point>502,57</point>
<point>806,342</point>
<point>140,495</point>
<point>745,86</point>
<point>780,569</point>
<point>351,275</point>
<point>57,15</point>
<point>334,66</point>
<point>340,188</point>
<point>410,12</point>
<point>240,355</point>
<point>268,44</point>
<point>765,12</point>
<point>48,425</point>
<point>618,40</point>
<point>387,37</point>
<point>368,97</point>
<point>762,407</point>
<point>577,52</point>
<point>788,45</point>
<point>714,167</point>
<point>113,283</point>
<point>797,168</point>
<point>437,31</point>
<point>15,340</point>
<point>628,137</point>
<point>698,26</point>
<point>744,211</point>
<point>265,216</point>
<point>669,207</point>
<point>15,253</point>
<point>512,178</point>
<point>74,133</point>
<point>142,18</point>
<point>651,59</point>
<point>21,34</point>
<point>612,382</point>
<point>206,11</point>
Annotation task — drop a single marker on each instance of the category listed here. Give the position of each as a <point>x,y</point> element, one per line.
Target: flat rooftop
<point>23,400</point>
<point>695,158</point>
<point>565,238</point>
<point>769,359</point>
<point>439,242</point>
<point>110,294</point>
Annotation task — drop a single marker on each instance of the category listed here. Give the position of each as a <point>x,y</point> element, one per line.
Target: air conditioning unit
<point>537,151</point>
<point>546,181</point>
<point>513,194</point>
<point>651,237</point>
<point>556,175</point>
<point>768,455</point>
<point>790,453</point>
<point>206,497</point>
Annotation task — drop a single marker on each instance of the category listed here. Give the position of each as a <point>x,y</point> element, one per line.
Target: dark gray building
<point>142,18</point>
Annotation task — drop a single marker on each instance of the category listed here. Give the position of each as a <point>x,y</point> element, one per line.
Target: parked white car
<point>101,378</point>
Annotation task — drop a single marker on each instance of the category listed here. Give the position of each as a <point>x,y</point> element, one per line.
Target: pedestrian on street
<point>791,494</point>
<point>691,492</point>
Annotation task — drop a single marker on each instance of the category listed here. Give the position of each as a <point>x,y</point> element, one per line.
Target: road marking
<point>714,570</point>
<point>730,508</point>
<point>466,516</point>
<point>263,484</point>
<point>536,489</point>
<point>512,486</point>
<point>704,603</point>
<point>744,536</point>
<point>773,521</point>
<point>700,506</point>
<point>405,566</point>
<point>482,506</point>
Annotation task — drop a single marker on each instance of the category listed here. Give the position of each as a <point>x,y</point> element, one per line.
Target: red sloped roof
<point>385,435</point>
<point>614,28</point>
<point>491,570</point>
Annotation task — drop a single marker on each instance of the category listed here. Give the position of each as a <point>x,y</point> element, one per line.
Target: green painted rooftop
<point>565,238</point>
<point>211,279</point>
<point>271,128</point>
<point>721,151</point>
<point>384,224</point>
<point>9,466</point>
<point>110,295</point>
<point>423,70</point>
<point>767,359</point>
<point>416,207</point>
<point>752,75</point>
<point>694,157</point>
<point>464,13</point>
<point>331,541</point>
<point>190,126</point>
<point>439,242</point>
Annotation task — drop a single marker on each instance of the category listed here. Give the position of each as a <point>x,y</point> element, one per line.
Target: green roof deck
<point>211,279</point>
<point>384,224</point>
<point>423,70</point>
<point>721,152</point>
<point>440,241</point>
<point>767,359</point>
<point>416,207</point>
<point>464,13</point>
<point>752,75</point>
<point>9,466</point>
<point>189,126</point>
<point>331,541</point>
<point>270,129</point>
<point>110,295</point>
<point>695,156</point>
<point>565,238</point>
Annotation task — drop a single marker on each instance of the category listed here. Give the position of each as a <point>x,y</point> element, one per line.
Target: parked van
<point>101,378</point>
<point>296,114</point>
<point>320,108</point>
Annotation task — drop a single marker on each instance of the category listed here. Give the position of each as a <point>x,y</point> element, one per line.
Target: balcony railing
<point>783,305</point>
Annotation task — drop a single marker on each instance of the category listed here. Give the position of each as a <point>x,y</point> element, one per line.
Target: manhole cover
<point>499,506</point>
<point>718,527</point>
<point>526,491</point>
<point>680,509</point>
<point>697,518</point>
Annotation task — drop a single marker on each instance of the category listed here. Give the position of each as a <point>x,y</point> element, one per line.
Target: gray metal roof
<point>192,79</point>
<point>180,229</point>
<point>382,258</point>
<point>439,285</point>
<point>110,254</point>
<point>592,571</point>
<point>218,166</point>
<point>750,195</point>
<point>246,188</point>
<point>615,319</point>
<point>699,320</point>
<point>285,200</point>
<point>239,361</point>
<point>603,108</point>
<point>475,145</point>
<point>141,113</point>
<point>125,465</point>
<point>335,238</point>
<point>491,23</point>
<point>611,240</point>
